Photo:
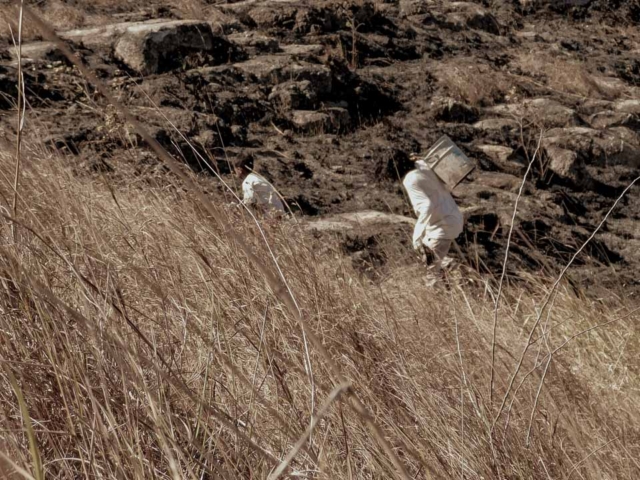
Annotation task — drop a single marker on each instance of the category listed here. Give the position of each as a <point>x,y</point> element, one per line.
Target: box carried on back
<point>448,162</point>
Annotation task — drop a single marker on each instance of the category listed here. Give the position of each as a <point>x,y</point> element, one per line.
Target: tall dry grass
<point>139,340</point>
<point>147,345</point>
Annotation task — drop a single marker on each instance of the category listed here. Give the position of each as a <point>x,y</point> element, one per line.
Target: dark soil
<point>333,97</point>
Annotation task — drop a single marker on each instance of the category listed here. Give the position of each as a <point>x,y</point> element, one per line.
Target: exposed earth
<point>333,97</point>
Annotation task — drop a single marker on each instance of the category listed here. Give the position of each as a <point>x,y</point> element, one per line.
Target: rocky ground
<point>333,97</point>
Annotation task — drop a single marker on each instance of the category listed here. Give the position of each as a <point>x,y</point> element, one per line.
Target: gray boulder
<point>303,51</point>
<point>314,123</point>
<point>610,119</point>
<point>255,43</point>
<point>503,125</point>
<point>504,157</point>
<point>628,106</point>
<point>150,48</point>
<point>102,37</point>
<point>310,121</point>
<point>614,146</point>
<point>39,52</point>
<point>294,95</point>
<point>276,69</point>
<point>450,110</point>
<point>566,164</point>
<point>543,111</point>
<point>267,68</point>
<point>344,222</point>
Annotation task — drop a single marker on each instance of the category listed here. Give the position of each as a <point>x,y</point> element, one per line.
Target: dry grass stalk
<point>504,267</point>
<point>334,396</point>
<point>20,104</point>
<point>550,295</point>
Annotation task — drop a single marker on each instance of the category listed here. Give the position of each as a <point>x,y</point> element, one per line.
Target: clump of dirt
<point>333,97</point>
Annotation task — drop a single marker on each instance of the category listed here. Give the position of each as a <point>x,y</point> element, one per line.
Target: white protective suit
<point>257,191</point>
<point>439,219</point>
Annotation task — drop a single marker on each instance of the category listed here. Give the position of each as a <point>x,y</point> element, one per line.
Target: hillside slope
<point>334,96</point>
<point>149,328</point>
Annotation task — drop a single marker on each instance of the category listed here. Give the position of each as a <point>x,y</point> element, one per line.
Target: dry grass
<point>9,26</point>
<point>477,85</point>
<point>146,345</point>
<point>192,9</point>
<point>139,340</point>
<point>61,16</point>
<point>566,75</point>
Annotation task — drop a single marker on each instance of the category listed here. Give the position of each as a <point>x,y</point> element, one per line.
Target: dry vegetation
<point>563,74</point>
<point>139,339</point>
<point>477,85</point>
<point>61,16</point>
<point>146,344</point>
<point>482,86</point>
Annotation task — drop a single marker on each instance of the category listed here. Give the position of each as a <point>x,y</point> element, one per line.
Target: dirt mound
<point>333,97</point>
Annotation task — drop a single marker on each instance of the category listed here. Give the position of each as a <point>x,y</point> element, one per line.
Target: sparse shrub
<point>477,85</point>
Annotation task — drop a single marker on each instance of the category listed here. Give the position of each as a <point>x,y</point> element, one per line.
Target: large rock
<point>268,68</point>
<point>247,5</point>
<point>544,111</point>
<point>104,36</point>
<point>357,220</point>
<point>450,110</point>
<point>622,146</point>
<point>554,3</point>
<point>310,121</point>
<point>610,119</point>
<point>255,42</point>
<point>39,52</point>
<point>150,48</point>
<point>294,95</point>
<point>505,158</point>
<point>566,163</point>
<point>628,106</point>
<point>617,146</point>
<point>593,106</point>
<point>499,181</point>
<point>497,153</point>
<point>276,69</point>
<point>503,125</point>
<point>319,75</point>
<point>608,87</point>
<point>303,51</point>
<point>330,119</point>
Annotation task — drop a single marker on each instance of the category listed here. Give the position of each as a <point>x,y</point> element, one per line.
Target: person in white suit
<point>439,219</point>
<point>257,192</point>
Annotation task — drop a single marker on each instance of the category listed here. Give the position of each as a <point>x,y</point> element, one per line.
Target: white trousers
<point>439,248</point>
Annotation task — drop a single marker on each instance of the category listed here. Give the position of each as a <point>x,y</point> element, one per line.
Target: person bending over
<point>256,191</point>
<point>439,219</point>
